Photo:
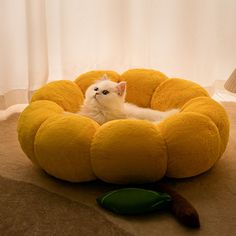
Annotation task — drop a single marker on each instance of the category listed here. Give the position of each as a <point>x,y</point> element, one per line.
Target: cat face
<point>106,93</point>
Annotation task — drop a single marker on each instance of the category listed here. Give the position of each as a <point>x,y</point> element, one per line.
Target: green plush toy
<point>150,198</point>
<point>131,201</point>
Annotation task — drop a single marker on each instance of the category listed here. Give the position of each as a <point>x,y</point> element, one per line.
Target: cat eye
<point>105,92</point>
<point>96,89</point>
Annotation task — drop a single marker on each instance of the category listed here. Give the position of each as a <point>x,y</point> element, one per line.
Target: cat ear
<point>121,88</point>
<point>104,77</point>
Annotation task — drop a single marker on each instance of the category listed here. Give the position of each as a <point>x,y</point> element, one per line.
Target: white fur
<point>112,106</point>
<point>133,111</point>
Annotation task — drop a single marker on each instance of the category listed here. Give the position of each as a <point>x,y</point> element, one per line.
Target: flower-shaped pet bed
<point>77,149</point>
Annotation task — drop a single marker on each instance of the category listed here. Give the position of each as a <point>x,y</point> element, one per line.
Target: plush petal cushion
<point>65,93</point>
<point>77,149</point>
<point>212,109</point>
<point>193,144</point>
<point>131,201</point>
<point>174,93</point>
<point>125,151</point>
<point>62,147</point>
<point>29,122</point>
<point>141,85</point>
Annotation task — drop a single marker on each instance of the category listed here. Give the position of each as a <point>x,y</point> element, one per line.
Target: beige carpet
<point>33,203</point>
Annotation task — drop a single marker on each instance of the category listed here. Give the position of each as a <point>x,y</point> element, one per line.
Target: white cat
<point>105,101</point>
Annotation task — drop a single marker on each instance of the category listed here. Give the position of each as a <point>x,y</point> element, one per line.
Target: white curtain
<point>23,51</point>
<point>45,40</point>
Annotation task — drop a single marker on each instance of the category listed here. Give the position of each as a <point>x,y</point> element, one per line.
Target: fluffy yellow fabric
<point>86,79</point>
<point>212,109</point>
<point>141,83</point>
<point>193,144</point>
<point>125,151</point>
<point>65,93</point>
<point>77,149</point>
<point>62,147</point>
<point>174,93</point>
<point>29,122</point>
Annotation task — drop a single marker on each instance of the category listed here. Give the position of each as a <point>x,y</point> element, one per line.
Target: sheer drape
<point>23,50</point>
<point>45,40</point>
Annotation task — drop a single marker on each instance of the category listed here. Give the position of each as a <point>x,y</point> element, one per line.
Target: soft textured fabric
<point>62,147</point>
<point>77,149</point>
<point>209,107</point>
<point>65,93</point>
<point>30,121</point>
<point>28,209</point>
<point>193,143</point>
<point>131,201</point>
<point>141,84</point>
<point>175,93</point>
<point>126,151</point>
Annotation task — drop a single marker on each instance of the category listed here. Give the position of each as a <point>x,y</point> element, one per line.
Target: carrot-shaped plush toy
<point>150,198</point>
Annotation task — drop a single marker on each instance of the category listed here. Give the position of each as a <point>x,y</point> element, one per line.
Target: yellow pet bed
<point>77,149</point>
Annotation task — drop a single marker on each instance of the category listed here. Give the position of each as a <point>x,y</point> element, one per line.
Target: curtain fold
<point>23,50</point>
<point>46,40</point>
<point>192,39</point>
